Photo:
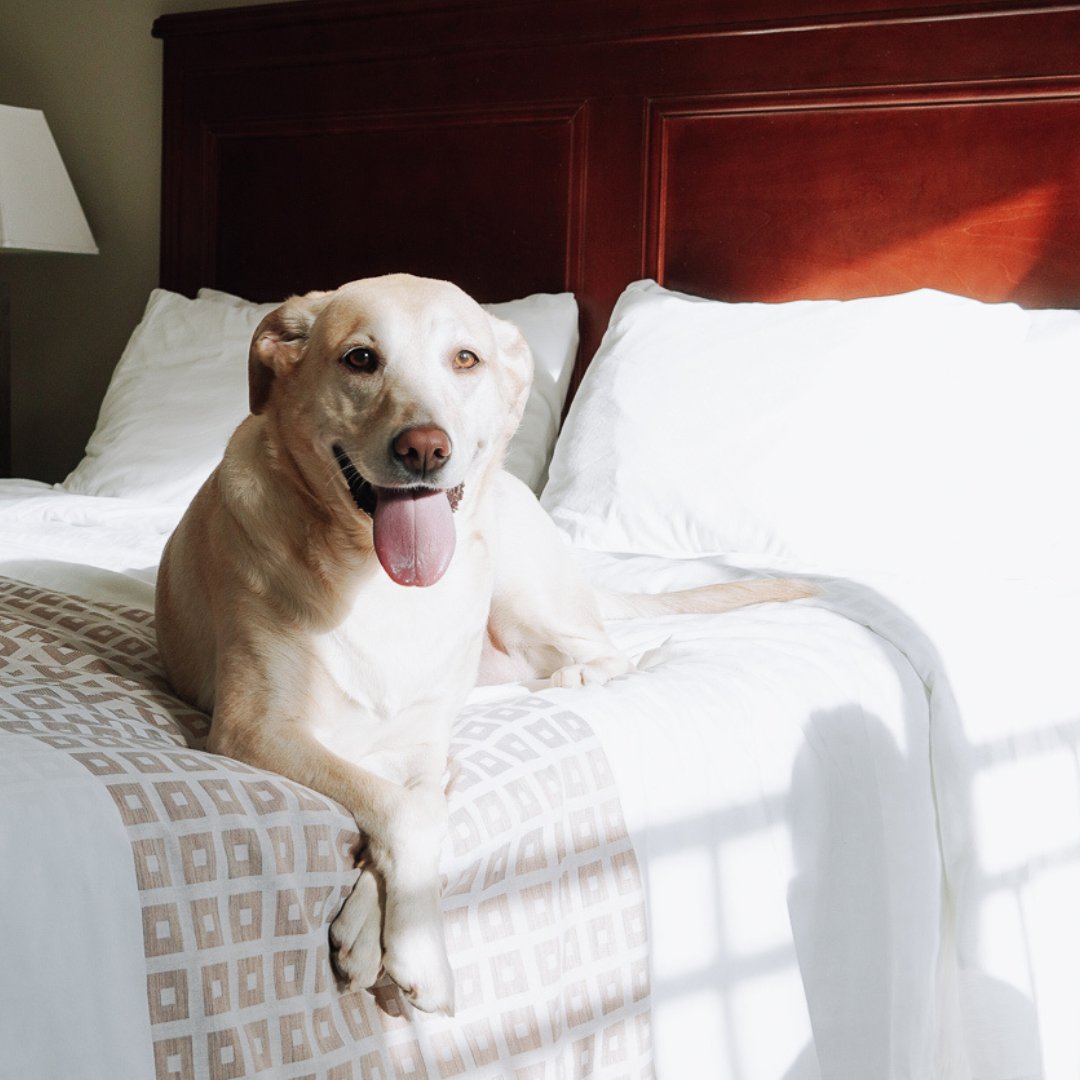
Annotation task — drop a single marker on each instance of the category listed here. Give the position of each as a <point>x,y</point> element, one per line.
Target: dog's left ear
<point>517,364</point>
<point>278,343</point>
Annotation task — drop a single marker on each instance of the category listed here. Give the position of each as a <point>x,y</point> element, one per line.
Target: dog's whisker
<point>332,477</point>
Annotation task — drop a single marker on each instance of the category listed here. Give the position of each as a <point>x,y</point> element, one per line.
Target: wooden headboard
<point>822,149</point>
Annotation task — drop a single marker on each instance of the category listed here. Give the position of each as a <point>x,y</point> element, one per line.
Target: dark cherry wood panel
<point>816,199</point>
<point>735,149</point>
<point>422,193</point>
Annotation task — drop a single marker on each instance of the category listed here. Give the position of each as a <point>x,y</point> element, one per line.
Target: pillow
<point>900,433</point>
<point>175,397</point>
<point>549,322</point>
<point>180,390</point>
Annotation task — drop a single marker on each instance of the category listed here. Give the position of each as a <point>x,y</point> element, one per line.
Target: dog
<point>357,560</point>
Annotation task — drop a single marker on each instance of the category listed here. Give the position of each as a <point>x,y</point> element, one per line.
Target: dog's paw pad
<point>577,675</point>
<point>421,968</point>
<point>431,1000</point>
<point>355,936</point>
<point>432,997</point>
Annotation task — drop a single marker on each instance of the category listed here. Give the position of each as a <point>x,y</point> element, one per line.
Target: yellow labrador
<point>335,585</point>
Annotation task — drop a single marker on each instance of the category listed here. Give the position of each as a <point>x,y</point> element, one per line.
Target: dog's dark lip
<point>363,491</point>
<point>363,494</point>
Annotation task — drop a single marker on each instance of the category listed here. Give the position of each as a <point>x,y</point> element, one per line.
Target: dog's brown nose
<point>423,450</point>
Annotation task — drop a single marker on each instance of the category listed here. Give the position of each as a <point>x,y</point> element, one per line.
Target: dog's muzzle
<point>363,491</point>
<point>412,527</point>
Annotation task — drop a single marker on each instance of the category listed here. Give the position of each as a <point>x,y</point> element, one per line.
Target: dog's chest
<point>404,658</point>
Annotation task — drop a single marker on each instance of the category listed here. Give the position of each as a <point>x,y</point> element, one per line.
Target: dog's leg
<point>356,933</point>
<point>404,827</point>
<point>411,946</point>
<point>594,672</point>
<point>414,946</point>
<point>544,619</point>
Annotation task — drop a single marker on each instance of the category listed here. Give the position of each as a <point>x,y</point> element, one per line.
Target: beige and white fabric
<point>238,874</point>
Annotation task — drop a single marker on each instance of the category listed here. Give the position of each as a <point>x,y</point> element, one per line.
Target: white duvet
<point>794,779</point>
<point>91,545</point>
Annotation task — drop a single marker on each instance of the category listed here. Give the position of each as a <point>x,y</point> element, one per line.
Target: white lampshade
<point>39,210</point>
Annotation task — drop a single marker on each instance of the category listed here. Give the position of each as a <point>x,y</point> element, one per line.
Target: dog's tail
<point>705,600</point>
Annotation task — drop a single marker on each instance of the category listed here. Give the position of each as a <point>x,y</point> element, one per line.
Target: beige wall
<point>94,69</point>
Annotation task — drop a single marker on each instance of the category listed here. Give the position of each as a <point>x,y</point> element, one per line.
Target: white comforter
<point>794,779</point>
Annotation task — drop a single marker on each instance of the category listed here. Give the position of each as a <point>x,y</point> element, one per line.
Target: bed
<point>801,290</point>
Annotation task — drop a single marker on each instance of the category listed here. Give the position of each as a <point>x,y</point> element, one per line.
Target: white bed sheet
<point>774,765</point>
<point>104,548</point>
<point>779,770</point>
<point>71,920</point>
<point>997,655</point>
<point>1001,657</point>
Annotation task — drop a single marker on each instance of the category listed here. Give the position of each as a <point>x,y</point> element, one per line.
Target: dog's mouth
<point>413,528</point>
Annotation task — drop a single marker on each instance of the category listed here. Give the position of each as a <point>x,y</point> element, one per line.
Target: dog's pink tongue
<point>414,534</point>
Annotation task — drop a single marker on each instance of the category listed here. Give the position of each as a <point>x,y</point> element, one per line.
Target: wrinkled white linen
<point>918,448</point>
<point>69,908</point>
<point>997,657</point>
<point>775,768</point>
<point>1000,655</point>
<point>104,548</point>
<point>785,773</point>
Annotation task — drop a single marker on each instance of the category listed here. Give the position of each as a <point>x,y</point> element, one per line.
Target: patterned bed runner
<point>240,873</point>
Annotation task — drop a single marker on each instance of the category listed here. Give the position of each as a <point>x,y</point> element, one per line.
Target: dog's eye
<point>361,360</point>
<point>465,359</point>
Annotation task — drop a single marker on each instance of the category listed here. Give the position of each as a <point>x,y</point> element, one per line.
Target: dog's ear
<point>517,365</point>
<point>278,343</point>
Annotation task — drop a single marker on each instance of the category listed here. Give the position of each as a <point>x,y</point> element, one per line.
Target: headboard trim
<point>834,148</point>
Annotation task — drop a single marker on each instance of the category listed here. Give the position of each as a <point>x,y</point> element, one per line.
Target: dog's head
<point>405,392</point>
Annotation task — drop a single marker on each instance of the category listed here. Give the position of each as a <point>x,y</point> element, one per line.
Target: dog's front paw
<point>594,673</point>
<point>416,960</point>
<point>356,935</point>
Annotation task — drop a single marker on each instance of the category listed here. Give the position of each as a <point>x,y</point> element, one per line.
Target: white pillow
<point>549,322</point>
<point>177,394</point>
<point>901,433</point>
<point>180,390</point>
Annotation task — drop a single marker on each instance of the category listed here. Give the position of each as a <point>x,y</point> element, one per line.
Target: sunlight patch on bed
<point>769,1015</point>
<point>1050,903</point>
<point>1025,808</point>
<point>684,881</point>
<point>752,876</point>
<point>691,1020</point>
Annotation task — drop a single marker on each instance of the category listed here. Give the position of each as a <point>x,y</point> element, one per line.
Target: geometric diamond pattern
<point>240,874</point>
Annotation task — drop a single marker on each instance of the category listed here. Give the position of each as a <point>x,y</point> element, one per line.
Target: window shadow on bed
<point>865,905</point>
<point>825,912</point>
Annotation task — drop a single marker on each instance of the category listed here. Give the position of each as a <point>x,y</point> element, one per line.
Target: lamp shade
<point>39,210</point>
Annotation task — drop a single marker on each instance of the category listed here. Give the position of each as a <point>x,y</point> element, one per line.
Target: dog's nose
<point>423,450</point>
